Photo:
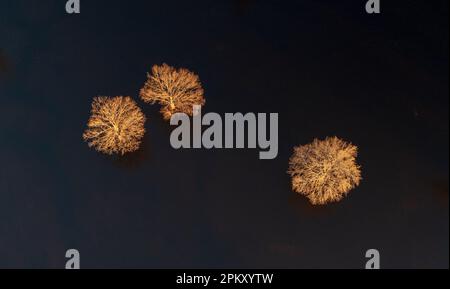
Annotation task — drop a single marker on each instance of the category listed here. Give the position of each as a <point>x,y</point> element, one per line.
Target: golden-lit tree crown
<point>116,125</point>
<point>176,90</point>
<point>324,170</point>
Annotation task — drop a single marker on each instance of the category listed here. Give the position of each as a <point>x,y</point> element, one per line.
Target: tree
<point>116,125</point>
<point>176,90</point>
<point>324,170</point>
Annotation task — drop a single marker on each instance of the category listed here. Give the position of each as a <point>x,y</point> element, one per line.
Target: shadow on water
<point>302,204</point>
<point>440,190</point>
<point>242,7</point>
<point>133,160</point>
<point>5,65</point>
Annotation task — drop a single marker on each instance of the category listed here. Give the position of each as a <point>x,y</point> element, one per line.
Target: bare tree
<point>116,125</point>
<point>324,170</point>
<point>176,90</point>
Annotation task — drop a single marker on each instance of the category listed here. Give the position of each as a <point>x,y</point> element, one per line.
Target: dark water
<point>327,68</point>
